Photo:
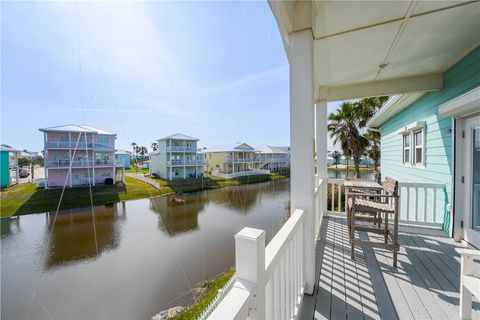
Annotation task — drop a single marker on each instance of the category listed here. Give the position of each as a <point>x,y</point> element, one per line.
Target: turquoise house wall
<point>461,78</point>
<point>4,169</point>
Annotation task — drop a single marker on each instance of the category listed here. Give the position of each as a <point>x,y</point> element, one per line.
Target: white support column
<point>321,136</point>
<point>302,144</point>
<point>45,157</point>
<point>70,157</point>
<point>250,265</point>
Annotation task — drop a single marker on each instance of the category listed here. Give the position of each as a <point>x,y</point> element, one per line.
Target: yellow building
<point>230,161</point>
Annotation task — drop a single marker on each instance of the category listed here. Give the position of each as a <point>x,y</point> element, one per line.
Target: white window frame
<point>407,136</point>
<point>415,147</point>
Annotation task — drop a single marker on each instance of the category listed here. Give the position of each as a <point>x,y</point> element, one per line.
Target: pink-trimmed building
<point>87,153</point>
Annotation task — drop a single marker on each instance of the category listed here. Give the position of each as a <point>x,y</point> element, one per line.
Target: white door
<point>471,217</point>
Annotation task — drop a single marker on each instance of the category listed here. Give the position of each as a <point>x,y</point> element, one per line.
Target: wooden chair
<point>373,205</point>
<point>469,281</point>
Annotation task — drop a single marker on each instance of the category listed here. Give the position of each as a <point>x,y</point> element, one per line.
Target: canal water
<point>134,259</point>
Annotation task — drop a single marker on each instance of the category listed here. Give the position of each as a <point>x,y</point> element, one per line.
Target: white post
<point>17,174</point>
<point>321,136</point>
<point>302,144</point>
<point>250,264</point>
<point>70,156</point>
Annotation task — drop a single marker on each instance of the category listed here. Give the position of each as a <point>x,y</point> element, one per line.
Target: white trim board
<point>462,106</point>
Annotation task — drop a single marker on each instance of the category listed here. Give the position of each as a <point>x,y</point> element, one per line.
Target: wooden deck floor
<point>425,285</point>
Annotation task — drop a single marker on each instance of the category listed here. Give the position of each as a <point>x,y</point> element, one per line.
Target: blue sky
<point>144,70</point>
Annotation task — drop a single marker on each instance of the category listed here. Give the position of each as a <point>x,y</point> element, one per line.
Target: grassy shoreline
<point>25,198</point>
<point>195,310</point>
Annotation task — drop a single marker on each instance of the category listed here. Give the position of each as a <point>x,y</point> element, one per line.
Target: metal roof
<point>270,149</point>
<point>178,136</point>
<point>235,147</point>
<point>75,128</point>
<point>7,148</point>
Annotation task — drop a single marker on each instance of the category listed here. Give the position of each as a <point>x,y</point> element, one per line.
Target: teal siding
<point>459,79</point>
<point>4,169</point>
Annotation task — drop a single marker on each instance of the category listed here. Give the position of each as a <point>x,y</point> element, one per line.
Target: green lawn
<point>132,170</point>
<point>25,198</point>
<point>195,310</point>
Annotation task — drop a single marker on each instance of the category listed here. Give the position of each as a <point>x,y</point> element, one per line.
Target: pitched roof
<point>235,147</point>
<point>178,136</point>
<point>76,128</point>
<point>121,151</point>
<point>270,149</point>
<point>7,148</point>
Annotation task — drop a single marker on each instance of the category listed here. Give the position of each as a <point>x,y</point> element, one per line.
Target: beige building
<point>230,161</point>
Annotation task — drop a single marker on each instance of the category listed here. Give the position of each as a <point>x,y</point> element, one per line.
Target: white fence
<point>423,203</point>
<point>270,280</point>
<point>240,173</point>
<point>420,203</point>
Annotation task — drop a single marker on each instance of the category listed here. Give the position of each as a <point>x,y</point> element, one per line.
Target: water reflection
<point>151,257</point>
<point>75,238</point>
<point>9,226</point>
<point>175,218</point>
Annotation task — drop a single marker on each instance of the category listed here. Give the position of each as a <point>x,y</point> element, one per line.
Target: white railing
<point>240,173</point>
<point>181,149</point>
<point>242,160</point>
<point>79,163</point>
<point>334,195</point>
<point>270,280</point>
<point>320,203</point>
<point>67,145</point>
<point>424,203</point>
<point>218,298</point>
<point>198,162</point>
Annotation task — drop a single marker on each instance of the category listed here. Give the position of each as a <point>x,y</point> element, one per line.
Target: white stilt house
<point>337,50</point>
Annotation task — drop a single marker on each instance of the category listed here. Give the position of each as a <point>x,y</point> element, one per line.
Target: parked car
<point>24,174</point>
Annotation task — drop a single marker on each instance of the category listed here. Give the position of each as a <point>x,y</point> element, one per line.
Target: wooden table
<point>361,184</point>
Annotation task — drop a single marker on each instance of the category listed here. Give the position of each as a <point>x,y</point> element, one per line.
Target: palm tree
<point>344,129</point>
<point>373,151</point>
<point>336,156</point>
<point>142,151</point>
<point>154,146</point>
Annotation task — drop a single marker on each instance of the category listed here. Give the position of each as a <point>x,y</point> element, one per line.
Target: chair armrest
<point>352,194</point>
<point>469,252</point>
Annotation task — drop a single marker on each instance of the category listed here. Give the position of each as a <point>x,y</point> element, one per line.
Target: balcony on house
<point>306,270</point>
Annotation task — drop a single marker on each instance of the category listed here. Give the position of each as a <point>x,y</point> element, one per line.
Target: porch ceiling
<point>416,40</point>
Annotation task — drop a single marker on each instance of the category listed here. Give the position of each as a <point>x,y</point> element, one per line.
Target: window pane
<point>418,138</point>
<point>418,155</point>
<point>406,157</point>
<point>476,180</point>
<point>406,141</point>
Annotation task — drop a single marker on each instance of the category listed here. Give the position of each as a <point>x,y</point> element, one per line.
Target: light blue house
<point>176,158</point>
<point>431,145</point>
<point>123,158</point>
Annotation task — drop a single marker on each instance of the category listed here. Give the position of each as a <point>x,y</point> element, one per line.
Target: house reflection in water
<point>9,226</point>
<point>176,218</point>
<point>73,235</point>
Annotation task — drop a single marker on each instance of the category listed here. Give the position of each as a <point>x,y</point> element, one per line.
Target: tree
<point>142,151</point>
<point>134,149</point>
<point>336,156</point>
<point>154,146</point>
<point>373,151</point>
<point>344,129</point>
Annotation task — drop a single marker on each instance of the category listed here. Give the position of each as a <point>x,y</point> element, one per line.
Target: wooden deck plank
<point>445,300</point>
<point>352,290</point>
<point>339,307</point>
<point>323,296</point>
<point>423,286</point>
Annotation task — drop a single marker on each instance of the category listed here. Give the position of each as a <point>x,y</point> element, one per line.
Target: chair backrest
<point>390,186</point>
